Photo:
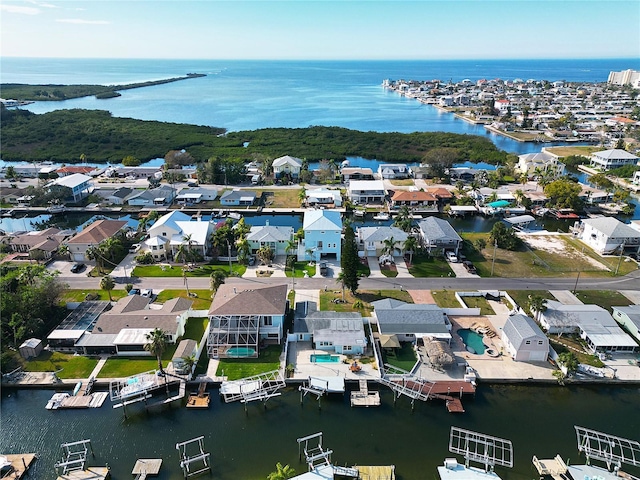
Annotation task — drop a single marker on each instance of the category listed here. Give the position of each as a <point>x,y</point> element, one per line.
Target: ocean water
<point>248,95</point>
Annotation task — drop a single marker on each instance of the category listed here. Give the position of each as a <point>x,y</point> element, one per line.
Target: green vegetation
<point>349,260</point>
<point>236,368</point>
<point>388,272</point>
<point>426,266</point>
<point>521,297</point>
<point>603,298</point>
<point>577,151</point>
<point>570,344</point>
<point>194,328</point>
<point>72,366</point>
<point>81,295</point>
<point>122,367</point>
<point>360,302</point>
<point>479,302</point>
<point>403,358</point>
<point>65,135</point>
<point>446,298</point>
<point>300,268</point>
<point>280,198</point>
<point>201,298</point>
<point>199,271</point>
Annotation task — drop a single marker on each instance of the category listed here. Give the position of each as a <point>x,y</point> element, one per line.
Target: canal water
<point>538,420</point>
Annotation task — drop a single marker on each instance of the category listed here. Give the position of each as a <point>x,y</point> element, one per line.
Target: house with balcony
<point>436,233</point>
<point>322,235</point>
<point>362,192</point>
<point>332,332</point>
<point>534,163</point>
<point>609,159</point>
<point>607,235</point>
<point>274,237</point>
<point>371,240</point>
<point>92,236</point>
<point>174,229</point>
<point>391,171</point>
<point>244,318</point>
<point>286,166</point>
<point>78,186</point>
<point>356,173</point>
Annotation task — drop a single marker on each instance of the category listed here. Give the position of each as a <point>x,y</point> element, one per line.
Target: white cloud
<point>47,5</point>
<point>80,21</point>
<point>19,9</point>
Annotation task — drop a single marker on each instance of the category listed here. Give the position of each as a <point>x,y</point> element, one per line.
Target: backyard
<point>332,299</point>
<point>236,368</point>
<point>66,365</point>
<point>427,266</point>
<point>403,358</point>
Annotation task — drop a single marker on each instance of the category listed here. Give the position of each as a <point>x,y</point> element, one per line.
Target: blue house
<point>339,332</point>
<point>322,235</point>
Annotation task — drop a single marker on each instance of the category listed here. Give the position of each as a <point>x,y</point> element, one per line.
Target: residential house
<point>336,332</point>
<point>193,236</point>
<point>157,246</point>
<point>629,319</point>
<point>323,196</point>
<point>196,195</point>
<point>356,173</point>
<point>609,159</point>
<point>414,200</point>
<point>535,163</point>
<point>502,106</point>
<point>79,186</point>
<point>82,169</point>
<point>436,233</point>
<point>286,166</point>
<point>322,235</point>
<point>390,171</point>
<point>371,240</point>
<point>120,196</point>
<point>410,321</point>
<point>174,229</point>
<point>237,197</point>
<point>362,192</point>
<point>243,318</point>
<point>592,323</point>
<point>163,195</point>
<point>10,195</point>
<point>524,340</point>
<point>607,235</point>
<point>39,244</point>
<point>92,236</point>
<point>270,236</point>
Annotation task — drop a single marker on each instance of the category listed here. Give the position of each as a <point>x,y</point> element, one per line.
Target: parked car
<point>252,261</point>
<point>147,292</point>
<point>134,291</point>
<point>469,267</point>
<point>77,267</point>
<point>451,257</point>
<point>324,268</point>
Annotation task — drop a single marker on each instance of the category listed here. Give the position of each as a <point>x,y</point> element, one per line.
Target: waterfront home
<point>371,240</point>
<point>390,171</point>
<point>135,173</point>
<point>167,225</point>
<point>174,229</point>
<point>335,332</point>
<point>242,318</point>
<point>157,246</point>
<point>362,192</point>
<point>502,106</point>
<point>608,159</point>
<point>39,244</point>
<point>118,196</point>
<point>607,235</point>
<point>629,319</point>
<point>533,164</point>
<point>10,195</point>
<point>356,173</point>
<point>274,237</point>
<point>159,196</point>
<point>524,340</point>
<point>77,185</point>
<point>436,233</point>
<point>92,236</point>
<point>323,196</point>
<point>193,195</point>
<point>71,169</point>
<point>238,198</point>
<point>322,235</point>
<point>409,321</point>
<point>592,323</point>
<point>414,200</point>
<point>286,166</point>
<point>485,194</point>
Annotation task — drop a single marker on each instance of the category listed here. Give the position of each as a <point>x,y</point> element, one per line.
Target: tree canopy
<point>349,260</point>
<point>563,193</point>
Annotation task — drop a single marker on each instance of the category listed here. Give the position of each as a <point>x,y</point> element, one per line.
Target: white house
<point>608,159</point>
<point>323,196</point>
<point>286,166</point>
<point>532,163</point>
<point>437,233</point>
<point>197,195</point>
<point>322,235</point>
<point>366,191</point>
<point>524,340</point>
<point>175,229</point>
<point>270,236</point>
<point>157,247</point>
<point>606,235</point>
<point>629,318</point>
<point>166,226</point>
<point>372,239</point>
<point>339,332</point>
<point>390,171</point>
<point>236,197</point>
<point>77,183</point>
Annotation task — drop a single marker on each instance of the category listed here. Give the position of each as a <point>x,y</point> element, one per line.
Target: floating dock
<point>63,401</point>
<point>91,473</point>
<point>145,467</point>
<point>363,397</point>
<point>199,399</point>
<point>382,472</point>
<point>20,463</point>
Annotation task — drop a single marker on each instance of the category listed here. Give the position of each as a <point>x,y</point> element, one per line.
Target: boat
<point>77,388</point>
<point>56,401</point>
<point>344,164</point>
<point>235,215</point>
<point>53,209</point>
<point>381,216</point>
<point>564,214</point>
<point>540,211</point>
<point>359,213</point>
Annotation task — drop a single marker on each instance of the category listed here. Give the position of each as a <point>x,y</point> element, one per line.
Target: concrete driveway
<point>461,272</point>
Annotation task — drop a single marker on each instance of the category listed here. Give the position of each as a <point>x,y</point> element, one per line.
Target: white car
<point>451,257</point>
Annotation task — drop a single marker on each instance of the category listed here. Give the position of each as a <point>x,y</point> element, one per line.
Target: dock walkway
<point>20,463</point>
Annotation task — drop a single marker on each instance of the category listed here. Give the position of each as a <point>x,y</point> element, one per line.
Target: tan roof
<point>237,300</point>
<point>98,232</point>
<point>132,312</point>
<point>440,192</point>
<point>406,196</point>
<point>36,238</point>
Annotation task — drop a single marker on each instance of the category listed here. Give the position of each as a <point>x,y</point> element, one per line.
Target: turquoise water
<point>473,340</point>
<point>241,352</point>
<point>325,358</point>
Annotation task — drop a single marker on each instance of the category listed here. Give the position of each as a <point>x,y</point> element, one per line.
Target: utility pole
<point>620,259</point>
<point>493,262</point>
<point>230,267</point>
<point>575,287</point>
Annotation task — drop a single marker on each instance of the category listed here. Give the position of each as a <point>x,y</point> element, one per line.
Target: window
<point>540,342</point>
<point>346,348</point>
<point>268,321</point>
<point>272,335</point>
<point>527,342</point>
<point>326,344</point>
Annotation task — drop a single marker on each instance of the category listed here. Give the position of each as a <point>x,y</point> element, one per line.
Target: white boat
<point>56,209</point>
<point>381,216</point>
<point>359,213</point>
<point>55,401</point>
<point>77,388</point>
<point>235,215</point>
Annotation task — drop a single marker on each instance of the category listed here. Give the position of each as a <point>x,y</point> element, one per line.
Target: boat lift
<point>187,461</point>
<point>404,383</point>
<point>258,387</point>
<point>481,448</point>
<point>314,388</point>
<point>74,456</point>
<point>318,458</point>
<point>614,451</point>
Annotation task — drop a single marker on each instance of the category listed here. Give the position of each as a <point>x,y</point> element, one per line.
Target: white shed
<point>31,348</point>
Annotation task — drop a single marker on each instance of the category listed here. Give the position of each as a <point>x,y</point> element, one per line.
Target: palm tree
<point>93,253</point>
<point>189,362</point>
<point>181,253</point>
<point>189,241</point>
<point>217,278</point>
<point>186,283</point>
<point>63,250</point>
<point>341,280</point>
<point>244,249</point>
<point>291,246</point>
<point>281,473</point>
<point>410,245</point>
<point>302,196</point>
<point>403,219</point>
<point>537,304</point>
<point>156,345</point>
<point>389,246</point>
<point>107,283</point>
<point>519,196</point>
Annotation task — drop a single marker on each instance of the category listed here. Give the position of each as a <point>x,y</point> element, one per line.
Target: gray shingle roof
<point>612,227</point>
<point>379,234</point>
<point>437,229</point>
<point>257,300</point>
<point>519,328</point>
<point>395,317</point>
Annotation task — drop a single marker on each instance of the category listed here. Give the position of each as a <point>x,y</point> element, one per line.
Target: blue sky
<point>302,29</point>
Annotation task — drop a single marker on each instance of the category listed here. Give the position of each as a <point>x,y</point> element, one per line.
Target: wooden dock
<point>20,463</point>
<point>363,397</point>
<point>199,399</point>
<point>91,473</point>
<point>454,405</point>
<point>383,472</point>
<point>146,466</point>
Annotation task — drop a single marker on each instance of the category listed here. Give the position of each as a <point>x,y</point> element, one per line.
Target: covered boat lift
<point>520,222</point>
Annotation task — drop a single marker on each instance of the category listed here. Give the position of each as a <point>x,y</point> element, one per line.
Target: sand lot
<point>553,243</point>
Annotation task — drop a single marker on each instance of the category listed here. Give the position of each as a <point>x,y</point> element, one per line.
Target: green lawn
<point>603,298</point>
<point>122,367</point>
<point>403,358</point>
<point>280,197</point>
<point>425,266</point>
<point>363,269</point>
<point>194,328</point>
<point>365,297</point>
<point>73,366</point>
<point>562,344</point>
<point>79,295</point>
<point>177,270</point>
<point>388,272</point>
<point>201,298</point>
<point>611,262</point>
<point>300,268</point>
<point>236,368</point>
<point>481,303</point>
<point>521,297</point>
<point>446,298</point>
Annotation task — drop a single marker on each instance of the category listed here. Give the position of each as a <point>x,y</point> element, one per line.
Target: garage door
<point>537,356</point>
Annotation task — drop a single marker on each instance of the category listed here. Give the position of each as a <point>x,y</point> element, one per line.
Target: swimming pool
<point>473,340</point>
<point>324,358</point>
<point>240,352</point>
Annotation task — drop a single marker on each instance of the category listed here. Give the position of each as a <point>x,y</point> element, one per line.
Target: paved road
<point>628,282</point>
